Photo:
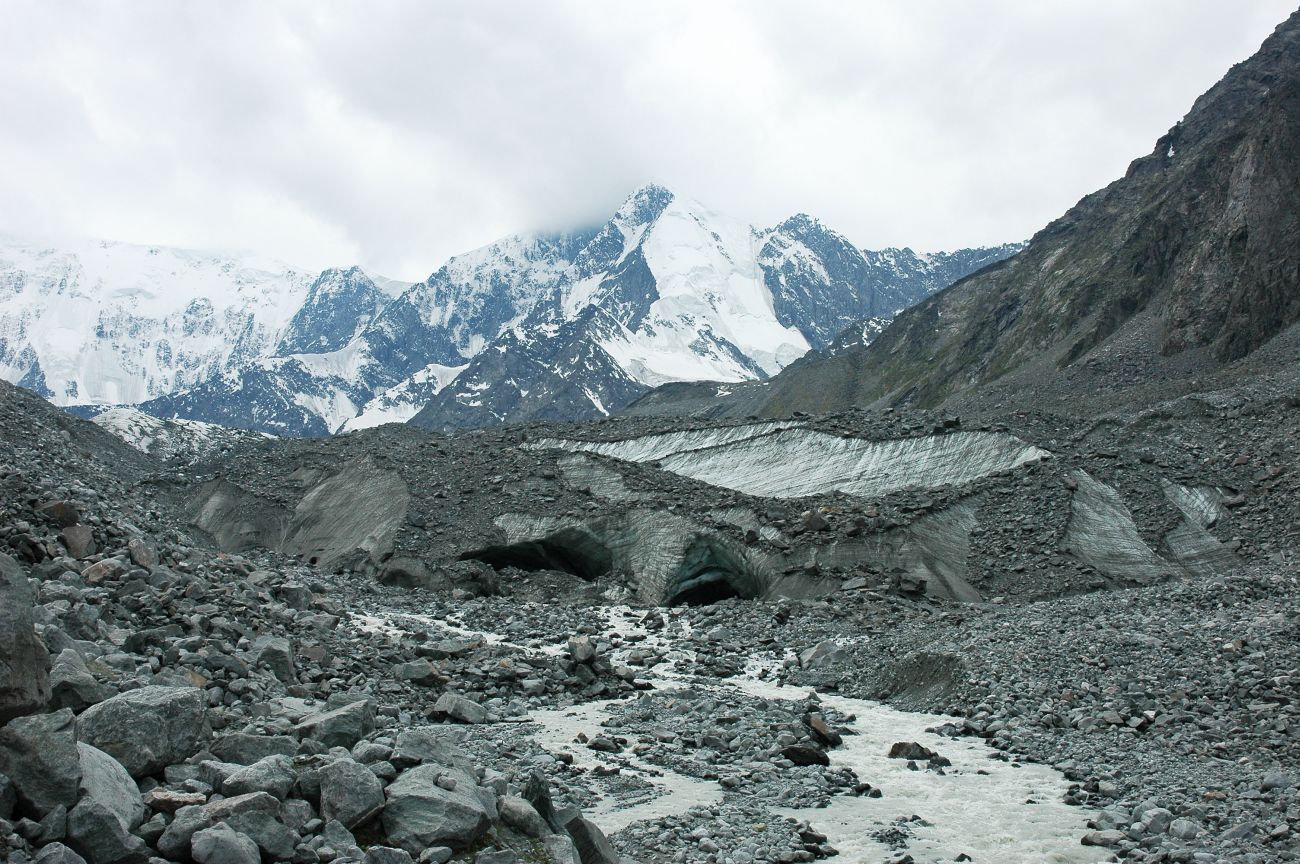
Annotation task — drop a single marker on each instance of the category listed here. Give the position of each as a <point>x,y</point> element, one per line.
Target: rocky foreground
<point>164,700</point>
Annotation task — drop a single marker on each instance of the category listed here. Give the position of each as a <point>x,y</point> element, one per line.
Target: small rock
<point>1108,838</point>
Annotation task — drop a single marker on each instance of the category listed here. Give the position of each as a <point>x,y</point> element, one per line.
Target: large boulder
<point>149,728</point>
<point>349,793</point>
<point>39,756</point>
<point>222,844</point>
<point>460,708</point>
<point>429,744</point>
<point>72,685</point>
<point>95,832</point>
<point>245,749</point>
<point>273,775</point>
<point>24,662</point>
<point>339,727</point>
<point>593,847</point>
<point>276,654</point>
<point>8,798</point>
<point>239,811</point>
<point>522,816</point>
<point>103,779</point>
<point>434,806</point>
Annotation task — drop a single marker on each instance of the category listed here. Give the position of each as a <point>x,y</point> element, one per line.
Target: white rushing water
<point>1010,813</point>
<point>990,809</point>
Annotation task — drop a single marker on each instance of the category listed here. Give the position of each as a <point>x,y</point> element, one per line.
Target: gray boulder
<point>24,662</point>
<point>340,839</point>
<point>39,756</point>
<point>222,844</point>
<point>420,812</point>
<point>97,834</point>
<point>141,552</point>
<point>581,650</point>
<point>388,855</point>
<point>72,685</point>
<point>174,844</point>
<point>340,727</point>
<point>149,728</point>
<point>275,653</point>
<point>8,798</point>
<point>497,856</point>
<point>242,748</point>
<point>460,708</point>
<point>560,849</point>
<point>57,853</point>
<point>593,847</point>
<point>273,775</point>
<point>349,793</point>
<point>428,744</point>
<point>276,840</point>
<point>522,816</point>
<point>175,841</point>
<point>103,779</point>
<point>79,540</point>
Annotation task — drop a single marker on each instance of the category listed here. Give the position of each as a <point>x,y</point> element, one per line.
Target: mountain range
<point>559,326</point>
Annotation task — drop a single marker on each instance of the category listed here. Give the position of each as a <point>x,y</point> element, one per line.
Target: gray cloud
<point>399,133</point>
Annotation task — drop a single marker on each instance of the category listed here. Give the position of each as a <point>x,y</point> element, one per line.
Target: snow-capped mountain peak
<point>558,326</point>
<point>105,322</point>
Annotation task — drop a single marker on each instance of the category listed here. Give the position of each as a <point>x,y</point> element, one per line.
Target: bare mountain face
<point>1188,263</point>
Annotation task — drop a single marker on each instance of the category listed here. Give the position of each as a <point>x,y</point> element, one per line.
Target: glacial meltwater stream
<point>983,806</point>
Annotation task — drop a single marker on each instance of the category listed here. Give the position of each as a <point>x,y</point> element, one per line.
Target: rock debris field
<point>585,644</point>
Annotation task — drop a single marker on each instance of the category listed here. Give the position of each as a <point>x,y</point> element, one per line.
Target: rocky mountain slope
<point>1186,264</point>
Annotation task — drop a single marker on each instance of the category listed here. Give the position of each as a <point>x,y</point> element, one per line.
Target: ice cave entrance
<point>708,573</point>
<point>569,551</point>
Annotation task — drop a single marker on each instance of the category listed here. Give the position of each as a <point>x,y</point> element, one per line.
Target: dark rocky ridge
<point>1184,266</point>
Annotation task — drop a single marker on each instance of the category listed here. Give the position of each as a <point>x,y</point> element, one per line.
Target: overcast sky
<point>396,134</point>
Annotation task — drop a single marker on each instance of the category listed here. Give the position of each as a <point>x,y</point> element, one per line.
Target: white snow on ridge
<point>168,438</point>
<point>707,275</point>
<point>402,402</point>
<point>113,322</point>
